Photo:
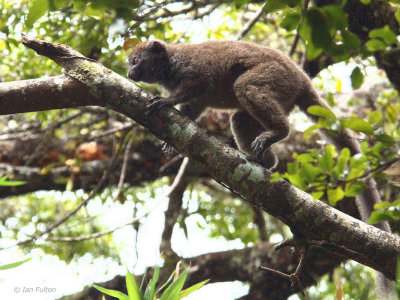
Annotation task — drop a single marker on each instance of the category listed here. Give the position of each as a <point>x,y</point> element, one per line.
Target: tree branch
<point>306,217</point>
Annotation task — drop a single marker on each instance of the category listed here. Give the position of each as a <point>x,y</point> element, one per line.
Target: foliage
<point>14,264</point>
<point>167,291</point>
<point>335,176</point>
<point>231,219</point>
<point>106,29</point>
<point>348,281</point>
<point>5,182</point>
<point>31,214</point>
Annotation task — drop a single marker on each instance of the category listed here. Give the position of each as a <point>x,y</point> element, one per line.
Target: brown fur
<point>261,83</point>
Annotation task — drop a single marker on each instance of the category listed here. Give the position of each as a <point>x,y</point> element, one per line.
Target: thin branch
<point>367,174</point>
<point>178,187</point>
<point>230,166</point>
<point>301,246</point>
<point>251,23</point>
<point>260,223</point>
<point>297,37</point>
<point>92,194</point>
<point>124,168</point>
<point>47,131</point>
<point>94,235</point>
<point>128,126</point>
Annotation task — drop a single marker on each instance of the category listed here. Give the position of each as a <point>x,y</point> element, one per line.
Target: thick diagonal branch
<point>306,217</point>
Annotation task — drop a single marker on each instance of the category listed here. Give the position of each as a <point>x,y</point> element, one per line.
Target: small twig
<point>297,37</point>
<point>93,193</point>
<point>94,235</point>
<point>113,130</point>
<point>196,16</point>
<point>301,246</point>
<point>251,23</point>
<point>124,168</point>
<point>47,131</point>
<point>171,162</point>
<point>260,223</point>
<point>367,174</point>
<point>174,210</point>
<point>336,249</point>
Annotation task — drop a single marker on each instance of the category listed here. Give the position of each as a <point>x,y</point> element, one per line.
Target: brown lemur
<point>261,83</point>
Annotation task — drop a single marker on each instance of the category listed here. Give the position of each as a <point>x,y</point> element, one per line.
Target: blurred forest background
<point>96,185</point>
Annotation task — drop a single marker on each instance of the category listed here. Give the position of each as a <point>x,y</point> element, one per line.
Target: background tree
<point>97,153</point>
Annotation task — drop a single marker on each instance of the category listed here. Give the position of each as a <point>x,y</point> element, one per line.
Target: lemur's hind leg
<point>245,130</point>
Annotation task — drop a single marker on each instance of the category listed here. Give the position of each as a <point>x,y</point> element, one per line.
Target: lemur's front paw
<point>156,104</point>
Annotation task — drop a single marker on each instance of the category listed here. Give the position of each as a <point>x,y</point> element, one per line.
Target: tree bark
<point>313,220</point>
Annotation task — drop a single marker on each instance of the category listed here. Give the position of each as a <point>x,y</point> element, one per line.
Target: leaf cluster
<point>329,175</point>
<point>170,290</point>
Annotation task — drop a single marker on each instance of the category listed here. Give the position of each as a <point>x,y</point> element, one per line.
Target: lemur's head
<point>147,61</point>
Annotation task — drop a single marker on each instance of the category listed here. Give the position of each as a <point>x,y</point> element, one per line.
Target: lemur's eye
<point>134,60</point>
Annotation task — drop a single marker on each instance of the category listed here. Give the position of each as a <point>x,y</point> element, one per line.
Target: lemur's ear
<point>156,46</point>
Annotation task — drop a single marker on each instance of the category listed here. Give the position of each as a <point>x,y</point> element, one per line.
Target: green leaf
<point>375,117</point>
<point>79,4</point>
<point>274,5</point>
<point>335,16</point>
<point>327,160</point>
<point>392,112</point>
<point>276,176</point>
<point>310,129</point>
<point>385,34</point>
<point>397,15</point>
<point>351,41</point>
<point>58,4</point>
<point>320,35</point>
<point>305,30</point>
<point>359,125</point>
<point>312,51</point>
<point>143,279</point>
<point>385,204</point>
<point>36,10</point>
<point>375,45</point>
<point>193,288</point>
<point>342,161</point>
<point>317,195</point>
<point>292,167</point>
<point>354,188</point>
<point>305,158</point>
<point>296,180</point>
<point>291,21</point>
<point>116,294</point>
<point>381,216</point>
<point>151,287</point>
<point>173,290</point>
<point>321,111</point>
<point>386,139</point>
<point>240,3</point>
<point>309,172</point>
<point>14,264</point>
<point>335,195</point>
<point>357,78</point>
<point>365,2</point>
<point>4,182</point>
<point>166,283</point>
<point>133,291</point>
<point>330,99</point>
